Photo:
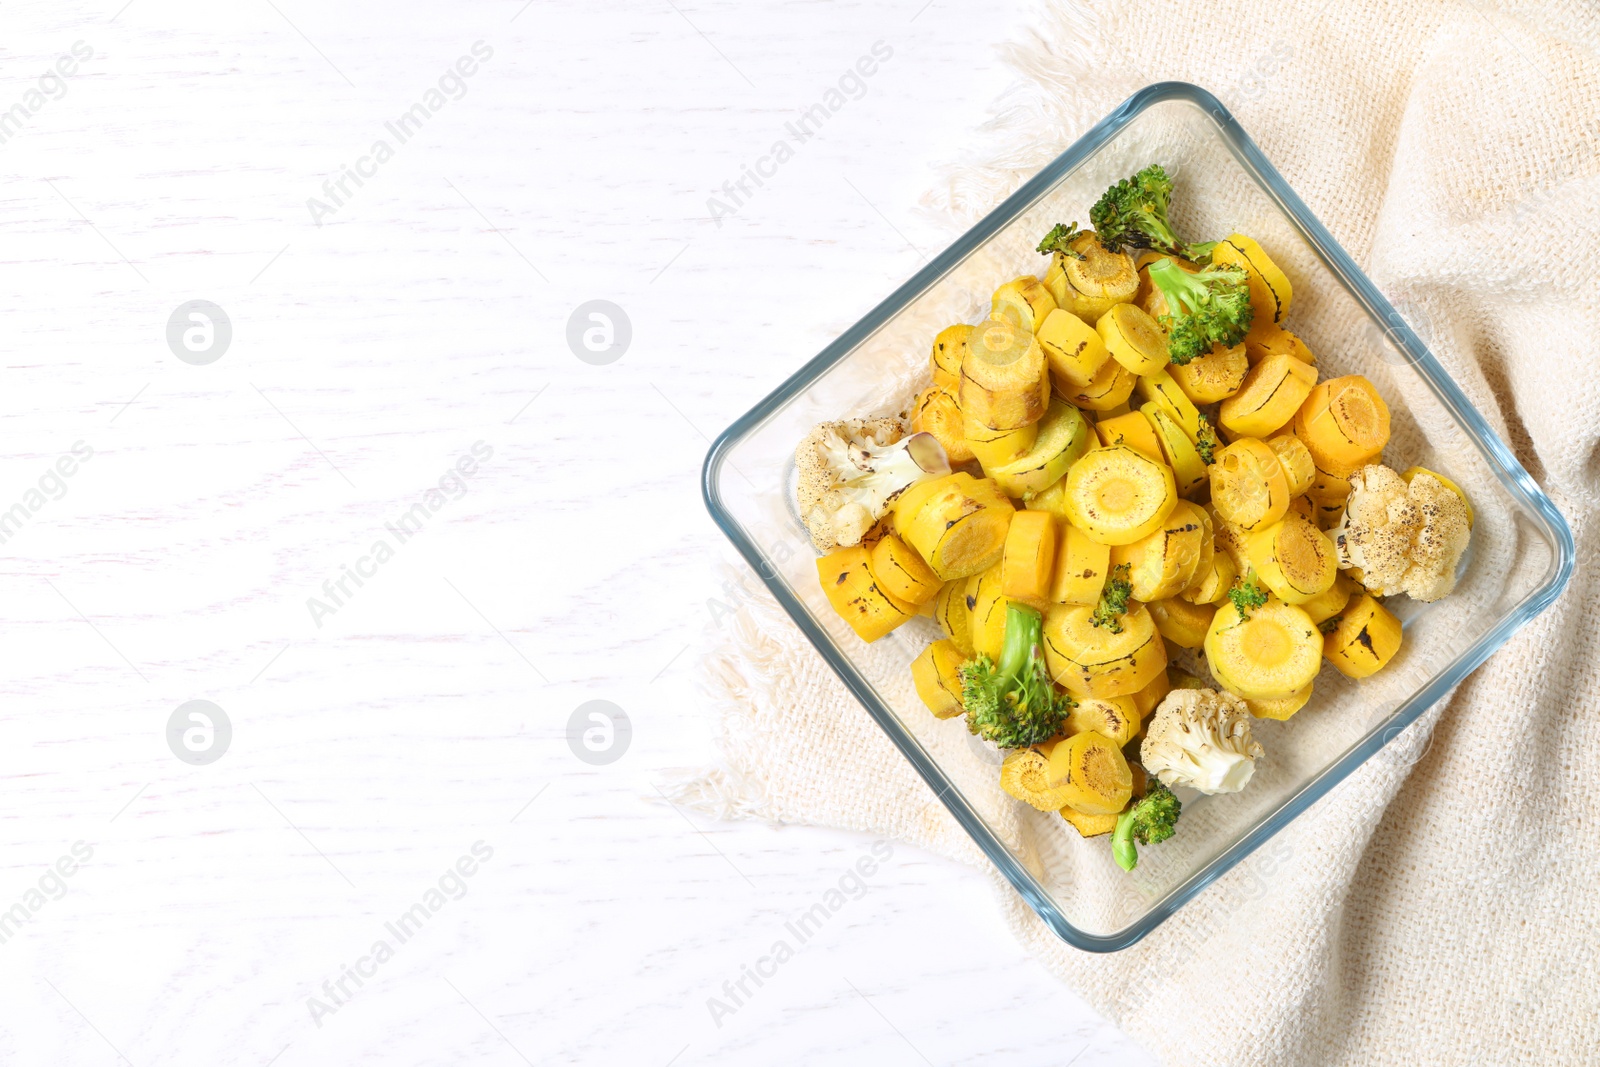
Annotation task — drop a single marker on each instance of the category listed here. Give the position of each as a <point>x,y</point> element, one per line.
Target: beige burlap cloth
<point>1443,905</point>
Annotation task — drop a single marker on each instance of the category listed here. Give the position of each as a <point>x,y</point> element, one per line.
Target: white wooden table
<point>422,713</point>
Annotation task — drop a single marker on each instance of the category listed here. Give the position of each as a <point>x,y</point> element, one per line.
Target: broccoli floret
<point>1150,821</point>
<point>1060,237</point>
<point>1246,594</point>
<point>1134,212</point>
<point>1206,442</point>
<point>1014,704</point>
<point>1209,307</point>
<point>1113,599</point>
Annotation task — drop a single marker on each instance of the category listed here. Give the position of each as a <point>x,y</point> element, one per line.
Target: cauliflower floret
<point>850,471</point>
<point>1404,538</point>
<point>1201,738</point>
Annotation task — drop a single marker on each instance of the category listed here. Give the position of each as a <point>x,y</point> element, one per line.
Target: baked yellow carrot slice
<point>847,582</point>
<point>1214,376</point>
<point>1024,301</point>
<point>1063,436</point>
<point>1270,396</point>
<point>1028,565</point>
<point>1134,339</point>
<point>1119,495</point>
<point>1093,772</point>
<point>1293,558</point>
<point>1273,341</point>
<point>935,411</point>
<point>1081,568</point>
<point>1248,486</point>
<point>1270,291</point>
<point>936,673</point>
<point>961,528</point>
<point>1131,429</point>
<point>1344,423</point>
<point>1003,380</point>
<point>898,569</point>
<point>949,347</point>
<point>1091,660</point>
<point>1365,639</point>
<point>1272,652</point>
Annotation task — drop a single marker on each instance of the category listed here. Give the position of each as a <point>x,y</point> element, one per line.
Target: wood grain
<point>426,314</point>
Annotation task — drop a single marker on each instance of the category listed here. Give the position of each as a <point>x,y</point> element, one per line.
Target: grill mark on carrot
<point>1277,301</point>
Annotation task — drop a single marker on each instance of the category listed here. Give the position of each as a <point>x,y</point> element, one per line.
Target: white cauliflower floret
<point>850,471</point>
<point>1200,738</point>
<point>1404,538</point>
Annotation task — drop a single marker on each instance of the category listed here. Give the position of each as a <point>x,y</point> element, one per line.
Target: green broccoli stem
<point>1123,850</point>
<point>1182,291</point>
<point>1024,626</point>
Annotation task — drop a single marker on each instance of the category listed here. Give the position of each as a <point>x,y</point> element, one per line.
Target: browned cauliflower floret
<point>1404,538</point>
<point>1201,738</point>
<point>850,471</point>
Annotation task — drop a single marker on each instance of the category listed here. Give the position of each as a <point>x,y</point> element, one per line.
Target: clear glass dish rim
<point>1540,509</point>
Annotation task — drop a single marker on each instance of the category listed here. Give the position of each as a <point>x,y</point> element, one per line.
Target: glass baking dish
<point>1520,559</point>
